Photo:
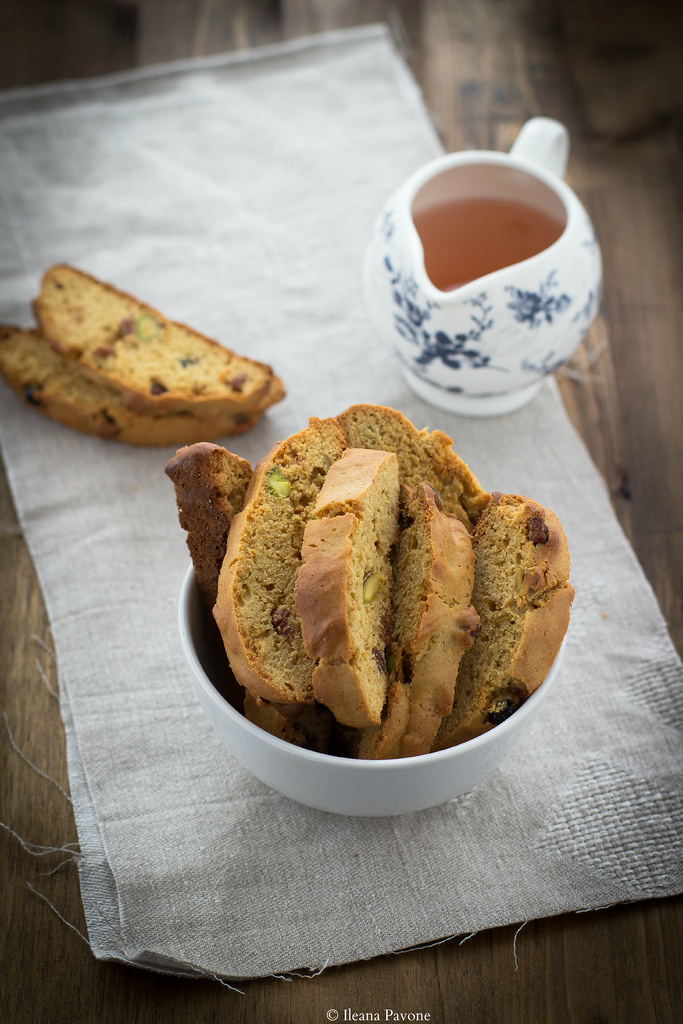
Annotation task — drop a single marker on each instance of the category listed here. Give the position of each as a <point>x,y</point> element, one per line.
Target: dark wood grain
<point>612,73</point>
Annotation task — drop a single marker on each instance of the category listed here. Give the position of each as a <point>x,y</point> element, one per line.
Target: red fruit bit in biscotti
<point>103,352</point>
<point>157,388</point>
<point>280,620</point>
<point>537,530</point>
<point>238,381</point>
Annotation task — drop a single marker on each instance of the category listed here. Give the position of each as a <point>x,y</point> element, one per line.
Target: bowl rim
<point>189,590</point>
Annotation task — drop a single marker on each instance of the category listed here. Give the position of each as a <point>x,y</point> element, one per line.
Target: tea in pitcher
<point>465,238</point>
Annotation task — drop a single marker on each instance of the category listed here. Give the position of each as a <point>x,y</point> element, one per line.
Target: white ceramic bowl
<point>337,784</point>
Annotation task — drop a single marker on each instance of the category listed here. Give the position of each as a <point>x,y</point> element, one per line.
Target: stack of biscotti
<point>373,599</point>
<point>320,526</point>
<point>105,363</point>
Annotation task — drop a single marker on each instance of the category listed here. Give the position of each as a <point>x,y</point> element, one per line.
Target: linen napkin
<point>236,194</point>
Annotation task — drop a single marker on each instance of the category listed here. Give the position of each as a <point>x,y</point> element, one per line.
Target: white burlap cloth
<point>237,194</point>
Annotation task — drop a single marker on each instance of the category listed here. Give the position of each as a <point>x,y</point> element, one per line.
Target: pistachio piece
<point>278,483</point>
<point>371,585</point>
<point>147,327</point>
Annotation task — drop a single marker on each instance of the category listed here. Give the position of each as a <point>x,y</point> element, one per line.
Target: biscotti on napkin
<point>106,364</point>
<point>354,602</point>
<point>156,365</point>
<point>45,382</point>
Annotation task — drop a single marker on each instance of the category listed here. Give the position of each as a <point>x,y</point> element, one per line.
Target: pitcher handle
<point>545,142</point>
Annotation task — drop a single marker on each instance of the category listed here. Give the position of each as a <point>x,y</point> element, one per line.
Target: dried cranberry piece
<point>280,620</point>
<point>537,530</point>
<point>238,381</point>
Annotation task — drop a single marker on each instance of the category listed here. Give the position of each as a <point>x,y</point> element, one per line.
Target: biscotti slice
<point>255,608</point>
<point>523,595</point>
<point>312,728</point>
<point>423,456</point>
<point>343,591</point>
<point>210,485</point>
<point>435,622</point>
<point>157,365</point>
<point>50,385</point>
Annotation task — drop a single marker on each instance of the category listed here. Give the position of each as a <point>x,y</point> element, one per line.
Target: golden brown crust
<point>322,586</point>
<point>542,634</point>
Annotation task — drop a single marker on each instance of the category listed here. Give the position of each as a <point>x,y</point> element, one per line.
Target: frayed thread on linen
<point>312,973</point>
<point>315,972</point>
<point>41,671</point>
<point>61,917</point>
<point>36,850</point>
<point>29,762</point>
<point>514,944</point>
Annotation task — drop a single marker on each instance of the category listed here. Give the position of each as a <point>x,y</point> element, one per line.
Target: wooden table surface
<point>612,72</point>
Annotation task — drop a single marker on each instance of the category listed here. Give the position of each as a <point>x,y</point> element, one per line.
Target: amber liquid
<point>464,239</point>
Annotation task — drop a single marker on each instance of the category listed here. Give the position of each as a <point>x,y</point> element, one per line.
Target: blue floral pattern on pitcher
<point>535,308</point>
<point>457,350</point>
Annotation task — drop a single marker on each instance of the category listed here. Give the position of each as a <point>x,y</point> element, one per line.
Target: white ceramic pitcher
<point>483,348</point>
